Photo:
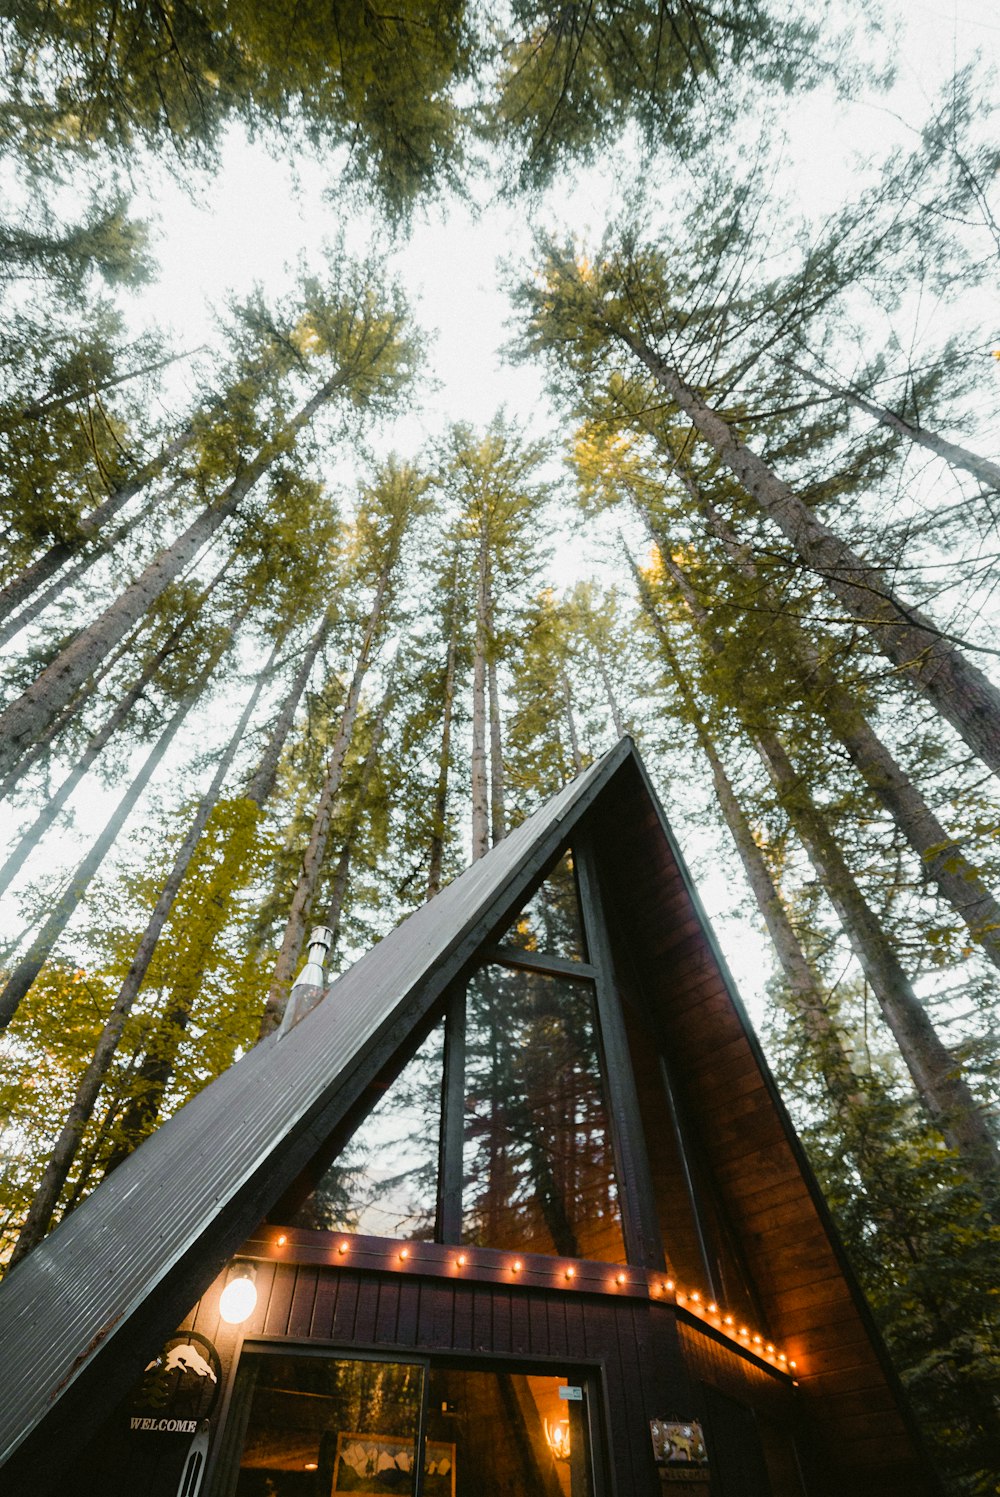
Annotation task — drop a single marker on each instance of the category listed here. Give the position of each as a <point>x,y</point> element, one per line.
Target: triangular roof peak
<point>82,1313</point>
<point>137,1252</point>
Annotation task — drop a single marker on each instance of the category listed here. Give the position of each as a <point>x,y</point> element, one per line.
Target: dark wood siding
<point>810,1304</point>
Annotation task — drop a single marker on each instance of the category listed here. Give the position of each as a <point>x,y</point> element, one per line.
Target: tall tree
<point>88,1089</point>
<point>390,505</point>
<point>353,329</point>
<point>582,316</point>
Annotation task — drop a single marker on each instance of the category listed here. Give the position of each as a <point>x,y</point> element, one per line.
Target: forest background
<point>394,411</point>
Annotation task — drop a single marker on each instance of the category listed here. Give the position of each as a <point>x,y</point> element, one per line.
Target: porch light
<point>240,1294</point>
<point>557,1435</point>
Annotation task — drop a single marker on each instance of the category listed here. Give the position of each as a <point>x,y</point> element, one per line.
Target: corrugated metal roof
<point>127,1264</point>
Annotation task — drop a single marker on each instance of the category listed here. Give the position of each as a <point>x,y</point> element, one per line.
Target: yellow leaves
<point>305,337</point>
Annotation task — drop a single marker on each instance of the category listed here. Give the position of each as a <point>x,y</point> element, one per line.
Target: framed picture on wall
<point>382,1466</point>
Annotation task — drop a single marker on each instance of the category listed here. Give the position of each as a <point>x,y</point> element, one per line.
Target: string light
<point>669,1284</point>
<point>404,1253</point>
<point>460,1260</point>
<point>342,1248</point>
<point>570,1273</point>
<point>619,1278</point>
<point>280,1241</point>
<point>516,1266</point>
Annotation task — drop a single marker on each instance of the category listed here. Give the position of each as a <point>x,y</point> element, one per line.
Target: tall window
<point>530,1160</point>
<point>538,1172</point>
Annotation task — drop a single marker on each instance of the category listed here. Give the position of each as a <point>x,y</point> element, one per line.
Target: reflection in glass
<point>550,921</point>
<point>509,1434</point>
<point>537,1162</point>
<point>316,1426</point>
<point>384,1182</point>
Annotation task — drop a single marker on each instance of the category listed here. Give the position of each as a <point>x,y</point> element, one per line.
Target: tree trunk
<point>312,858</point>
<point>959,691</point>
<point>480,789</point>
<point>264,776</point>
<point>612,700</point>
<point>806,994</point>
<point>440,815</point>
<point>30,713</point>
<point>956,456</point>
<point>935,1072</point>
<point>957,880</point>
<point>61,1161</point>
<point>338,893</point>
<point>31,838</point>
<point>574,742</point>
<point>24,974</point>
<point>72,574</point>
<point>159,1062</point>
<point>44,407</point>
<point>91,524</point>
<point>498,815</point>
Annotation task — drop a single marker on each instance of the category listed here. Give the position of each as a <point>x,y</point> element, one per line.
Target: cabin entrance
<point>316,1423</point>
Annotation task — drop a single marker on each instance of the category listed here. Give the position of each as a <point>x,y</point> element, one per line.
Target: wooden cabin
<point>510,1209</point>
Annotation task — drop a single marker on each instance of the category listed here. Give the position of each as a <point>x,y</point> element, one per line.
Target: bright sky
<point>252,222</point>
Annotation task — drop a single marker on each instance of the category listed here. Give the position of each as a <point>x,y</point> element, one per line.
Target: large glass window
<point>513,1435</point>
<point>384,1182</point>
<point>537,1165</point>
<point>315,1425</point>
<point>550,921</point>
<point>319,1426</point>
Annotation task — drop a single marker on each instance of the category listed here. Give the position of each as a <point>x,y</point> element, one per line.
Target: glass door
<point>312,1425</point>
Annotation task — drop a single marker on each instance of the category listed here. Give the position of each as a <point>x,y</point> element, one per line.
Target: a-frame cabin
<point>518,1193</point>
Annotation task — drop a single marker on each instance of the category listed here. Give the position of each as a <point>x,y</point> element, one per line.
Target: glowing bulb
<point>695,1296</point>
<point>238,1300</point>
<point>769,1347</point>
<point>793,1364</point>
<point>280,1241</point>
<point>729,1320</point>
<point>342,1248</point>
<point>712,1309</point>
<point>516,1266</point>
<point>744,1332</point>
<point>460,1260</point>
<point>404,1253</point>
<point>669,1284</point>
<point>619,1278</point>
<point>558,1437</point>
<point>757,1340</point>
<point>311,1466</point>
<point>782,1357</point>
<point>570,1273</point>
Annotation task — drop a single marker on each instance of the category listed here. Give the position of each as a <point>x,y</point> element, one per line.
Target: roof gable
<point>125,1266</point>
<point>79,1314</point>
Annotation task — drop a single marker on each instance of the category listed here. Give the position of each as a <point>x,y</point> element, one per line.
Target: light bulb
<point>238,1300</point>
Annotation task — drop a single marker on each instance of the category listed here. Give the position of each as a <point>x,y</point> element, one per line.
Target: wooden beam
<point>640,1223</point>
<point>449,1199</point>
<point>537,961</point>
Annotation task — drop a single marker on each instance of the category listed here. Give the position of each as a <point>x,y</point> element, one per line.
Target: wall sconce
<point>557,1434</point>
<point>240,1294</point>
